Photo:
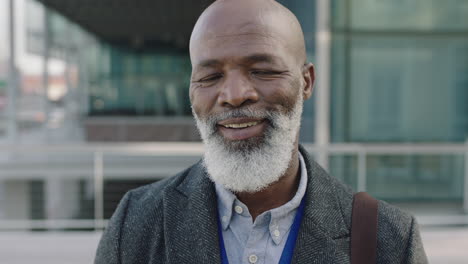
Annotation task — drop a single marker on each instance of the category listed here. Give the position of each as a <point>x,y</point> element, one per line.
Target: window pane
<point>401,14</point>
<point>401,89</point>
<point>140,84</point>
<point>415,177</point>
<point>345,168</point>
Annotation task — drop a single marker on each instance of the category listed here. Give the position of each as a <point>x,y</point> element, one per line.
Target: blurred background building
<point>94,101</point>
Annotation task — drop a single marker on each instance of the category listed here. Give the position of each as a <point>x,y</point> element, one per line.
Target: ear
<point>308,74</point>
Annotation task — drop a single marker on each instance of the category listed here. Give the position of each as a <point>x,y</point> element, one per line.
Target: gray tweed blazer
<point>174,221</point>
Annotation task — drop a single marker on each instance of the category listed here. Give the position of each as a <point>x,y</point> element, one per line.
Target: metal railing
<point>176,149</point>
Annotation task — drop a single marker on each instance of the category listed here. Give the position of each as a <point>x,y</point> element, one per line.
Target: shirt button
<point>276,233</point>
<point>238,209</point>
<point>253,259</point>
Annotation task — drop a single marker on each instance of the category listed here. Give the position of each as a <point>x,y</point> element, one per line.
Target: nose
<point>237,91</point>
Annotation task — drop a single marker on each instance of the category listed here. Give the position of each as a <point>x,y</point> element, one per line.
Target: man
<point>242,202</point>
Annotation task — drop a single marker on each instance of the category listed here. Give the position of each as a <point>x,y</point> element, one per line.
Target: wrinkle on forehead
<point>254,34</point>
<point>246,36</point>
<point>253,27</point>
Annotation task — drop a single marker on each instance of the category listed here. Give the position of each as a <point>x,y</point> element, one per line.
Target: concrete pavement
<point>443,246</point>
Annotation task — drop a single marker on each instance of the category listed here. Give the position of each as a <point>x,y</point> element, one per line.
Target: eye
<point>211,78</point>
<point>265,73</point>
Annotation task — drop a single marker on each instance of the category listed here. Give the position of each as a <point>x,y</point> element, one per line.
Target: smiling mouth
<point>242,125</point>
<point>242,128</point>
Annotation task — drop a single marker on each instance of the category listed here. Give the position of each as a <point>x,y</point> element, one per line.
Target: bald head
<point>234,19</point>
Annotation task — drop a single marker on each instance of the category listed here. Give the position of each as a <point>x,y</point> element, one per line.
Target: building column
<point>45,73</point>
<point>12,130</point>
<point>322,99</point>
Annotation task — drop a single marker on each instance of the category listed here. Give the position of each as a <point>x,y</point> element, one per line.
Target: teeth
<point>243,125</point>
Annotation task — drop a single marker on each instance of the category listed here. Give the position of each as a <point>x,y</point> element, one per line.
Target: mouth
<point>242,125</point>
<point>242,128</point>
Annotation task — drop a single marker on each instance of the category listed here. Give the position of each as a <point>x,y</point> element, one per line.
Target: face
<point>247,90</point>
<point>252,70</point>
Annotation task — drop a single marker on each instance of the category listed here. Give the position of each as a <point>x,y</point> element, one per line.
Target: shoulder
<point>398,236</point>
<point>394,224</point>
<point>150,196</point>
<point>397,231</point>
<point>136,229</point>
<point>393,221</point>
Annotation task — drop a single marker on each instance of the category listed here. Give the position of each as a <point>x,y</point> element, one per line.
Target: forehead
<point>234,41</point>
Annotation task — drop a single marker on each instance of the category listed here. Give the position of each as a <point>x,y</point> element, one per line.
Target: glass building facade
<point>400,75</point>
<point>400,71</point>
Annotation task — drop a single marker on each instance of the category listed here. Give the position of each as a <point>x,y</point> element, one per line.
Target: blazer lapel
<point>191,220</point>
<point>324,231</point>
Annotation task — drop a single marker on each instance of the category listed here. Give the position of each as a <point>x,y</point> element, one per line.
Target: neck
<point>277,193</point>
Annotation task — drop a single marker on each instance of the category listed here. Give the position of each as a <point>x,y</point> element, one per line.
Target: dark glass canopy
<point>139,24</point>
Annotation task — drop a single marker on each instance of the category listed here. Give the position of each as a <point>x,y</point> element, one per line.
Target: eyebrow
<point>260,57</point>
<point>251,59</point>
<point>210,63</point>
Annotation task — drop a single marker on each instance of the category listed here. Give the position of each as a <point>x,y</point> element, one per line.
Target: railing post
<point>362,171</point>
<point>465,185</point>
<point>98,189</point>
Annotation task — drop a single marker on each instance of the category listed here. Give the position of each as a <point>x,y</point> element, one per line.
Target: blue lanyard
<point>288,250</point>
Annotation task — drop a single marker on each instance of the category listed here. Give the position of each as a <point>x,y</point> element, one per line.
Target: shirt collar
<point>281,217</point>
<point>225,205</point>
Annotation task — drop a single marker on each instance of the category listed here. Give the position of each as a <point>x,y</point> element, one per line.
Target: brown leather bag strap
<point>364,229</point>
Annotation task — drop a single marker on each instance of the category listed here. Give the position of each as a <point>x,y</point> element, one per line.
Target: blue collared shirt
<point>262,241</point>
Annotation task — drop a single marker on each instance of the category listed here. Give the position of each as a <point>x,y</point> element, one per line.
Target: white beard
<point>250,166</point>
